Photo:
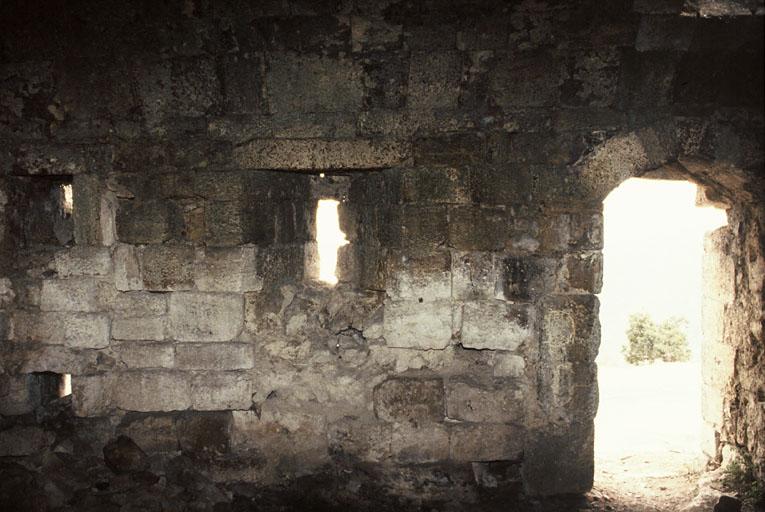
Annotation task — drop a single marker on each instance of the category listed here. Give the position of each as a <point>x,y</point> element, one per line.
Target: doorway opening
<point>649,422</point>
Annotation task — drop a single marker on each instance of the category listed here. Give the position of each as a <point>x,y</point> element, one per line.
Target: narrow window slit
<point>329,238</point>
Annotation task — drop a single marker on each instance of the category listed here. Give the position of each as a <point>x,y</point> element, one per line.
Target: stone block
<point>152,432</point>
<point>149,391</point>
<point>508,365</point>
<point>91,215</point>
<point>434,80</point>
<point>524,278</point>
<point>293,82</point>
<point>419,231</point>
<point>471,442</point>
<point>83,261</point>
<point>19,441</point>
<point>219,391</point>
<point>70,295</point>
<point>420,445</point>
<point>571,328</point>
<point>414,324</point>
<point>139,329</point>
<point>584,272</point>
<point>92,394</point>
<point>62,159</point>
<point>478,229</point>
<point>127,271</point>
<point>446,185</point>
<point>203,432</point>
<point>496,325</point>
<point>216,356</point>
<point>205,316</point>
<point>421,278</point>
<point>526,79</point>
<point>411,400</point>
<point>84,330</point>
<point>145,355</point>
<point>243,82</point>
<point>367,441</point>
<point>146,222</point>
<point>227,270</point>
<point>499,402</point>
<point>15,396</point>
<point>474,275</point>
<point>139,304</point>
<point>560,462</point>
<point>305,154</point>
<point>167,267</point>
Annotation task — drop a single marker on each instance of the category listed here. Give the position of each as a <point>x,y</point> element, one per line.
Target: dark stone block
<point>453,149</point>
<point>167,267</point>
<point>203,433</point>
<point>243,84</point>
<point>386,75</point>
<point>560,462</point>
<point>148,222</point>
<point>410,400</point>
<point>473,228</point>
<point>122,455</point>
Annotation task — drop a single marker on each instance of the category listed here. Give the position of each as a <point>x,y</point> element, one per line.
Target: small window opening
<point>67,199</point>
<point>329,239</point>
<point>44,387</point>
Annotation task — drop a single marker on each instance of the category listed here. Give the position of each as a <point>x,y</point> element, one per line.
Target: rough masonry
<point>470,145</point>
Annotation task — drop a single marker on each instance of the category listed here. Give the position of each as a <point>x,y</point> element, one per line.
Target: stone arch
<point>726,162</point>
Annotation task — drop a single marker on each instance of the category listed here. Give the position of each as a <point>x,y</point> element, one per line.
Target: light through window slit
<point>329,238</point>
<point>67,202</point>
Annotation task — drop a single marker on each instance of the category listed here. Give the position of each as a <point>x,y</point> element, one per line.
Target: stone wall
<point>470,145</point>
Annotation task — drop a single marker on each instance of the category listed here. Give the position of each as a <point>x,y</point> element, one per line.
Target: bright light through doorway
<point>329,239</point>
<point>649,418</point>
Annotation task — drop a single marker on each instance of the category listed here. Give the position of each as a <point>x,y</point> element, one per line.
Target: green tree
<point>648,341</point>
<point>641,336</point>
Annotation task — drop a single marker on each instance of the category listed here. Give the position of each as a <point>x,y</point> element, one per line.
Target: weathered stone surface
<point>136,355</point>
<point>584,272</point>
<point>217,356</point>
<point>357,438</point>
<point>560,463</point>
<point>219,391</point>
<point>496,325</point>
<point>146,329</point>
<point>310,155</point>
<point>152,432</point>
<point>83,330</point>
<point>414,324</point>
<point>227,270</point>
<point>127,271</point>
<point>501,402</point>
<point>19,441</point>
<point>92,394</point>
<point>167,267</point>
<point>424,278</point>
<point>486,442</point>
<point>423,444</point>
<point>204,433</point>
<point>139,304</point>
<point>84,261</point>
<point>69,295</point>
<point>151,391</point>
<point>68,159</point>
<point>15,395</point>
<point>205,316</point>
<point>474,275</point>
<point>122,455</point>
<point>410,400</point>
<point>434,80</point>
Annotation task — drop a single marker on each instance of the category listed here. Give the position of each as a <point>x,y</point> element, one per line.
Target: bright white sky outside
<point>652,256</point>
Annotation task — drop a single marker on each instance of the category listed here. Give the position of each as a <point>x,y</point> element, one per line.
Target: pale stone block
<point>70,295</point>
<point>205,316</point>
<point>508,365</point>
<point>468,401</point>
<point>218,391</point>
<point>152,391</point>
<point>146,355</point>
<point>139,329</point>
<point>139,304</point>
<point>84,330</point>
<point>423,444</point>
<point>495,325</point>
<point>424,278</point>
<point>227,270</point>
<point>83,261</point>
<point>486,442</point>
<point>414,324</point>
<point>91,394</point>
<point>217,356</point>
<point>127,272</point>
